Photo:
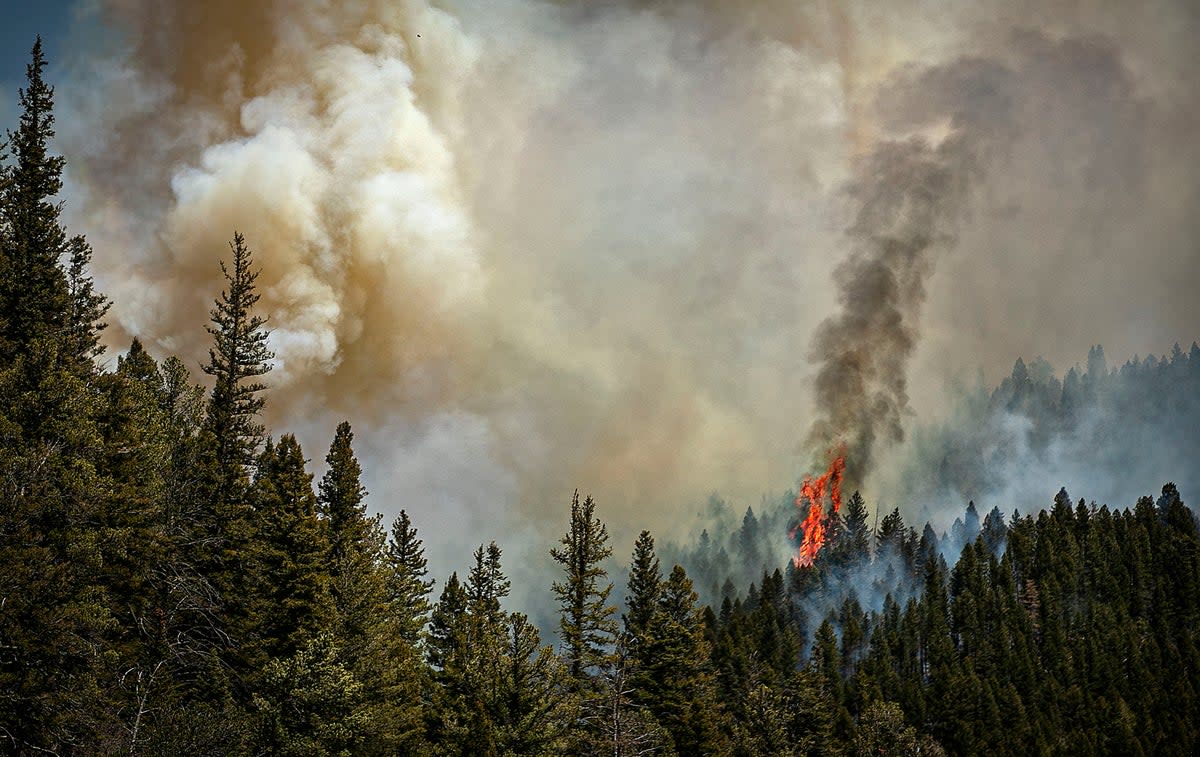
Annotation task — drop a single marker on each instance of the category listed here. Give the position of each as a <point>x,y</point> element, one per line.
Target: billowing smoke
<point>525,246</point>
<point>956,123</point>
<point>910,193</point>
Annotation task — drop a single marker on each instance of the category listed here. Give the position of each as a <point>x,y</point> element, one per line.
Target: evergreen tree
<point>406,583</point>
<point>222,517</point>
<point>291,604</point>
<point>534,709</point>
<point>237,359</point>
<point>447,630</point>
<point>55,614</point>
<point>677,684</point>
<point>310,704</point>
<point>35,302</point>
<point>645,581</point>
<point>882,732</point>
<point>138,553</point>
<point>487,585</point>
<point>374,642</point>
<point>854,538</point>
<point>453,716</point>
<point>355,546</point>
<point>57,689</point>
<point>86,308</point>
<point>585,617</point>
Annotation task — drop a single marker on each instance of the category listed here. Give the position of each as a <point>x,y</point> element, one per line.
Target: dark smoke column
<point>907,196</point>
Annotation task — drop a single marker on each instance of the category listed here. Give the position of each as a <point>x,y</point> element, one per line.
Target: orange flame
<point>813,490</point>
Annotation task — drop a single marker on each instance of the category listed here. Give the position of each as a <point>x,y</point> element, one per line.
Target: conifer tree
<point>138,552</point>
<point>645,581</point>
<point>487,585</point>
<point>585,618</point>
<point>55,691</point>
<point>447,629</point>
<point>355,544</point>
<point>676,683</point>
<point>223,520</point>
<point>236,361</point>
<point>86,308</point>
<point>34,298</point>
<point>855,537</point>
<point>452,712</point>
<point>370,645</point>
<point>292,603</point>
<point>406,579</point>
<point>534,710</point>
<point>311,704</point>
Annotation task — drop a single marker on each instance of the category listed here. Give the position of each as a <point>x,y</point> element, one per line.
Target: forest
<point>174,580</point>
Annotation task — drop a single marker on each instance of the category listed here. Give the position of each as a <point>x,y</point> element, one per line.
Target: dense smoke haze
<point>646,249</point>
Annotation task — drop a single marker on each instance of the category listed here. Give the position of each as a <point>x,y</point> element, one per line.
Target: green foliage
<point>238,357</point>
<point>497,690</point>
<point>883,732</point>
<point>35,301</point>
<point>310,705</point>
<point>645,585</point>
<point>60,644</point>
<point>290,601</point>
<point>357,582</point>
<point>407,584</point>
<point>675,680</point>
<point>586,621</point>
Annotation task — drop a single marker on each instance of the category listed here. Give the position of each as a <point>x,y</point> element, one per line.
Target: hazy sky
<point>526,246</point>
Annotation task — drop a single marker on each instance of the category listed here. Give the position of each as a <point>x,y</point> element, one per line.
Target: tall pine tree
<point>237,360</point>
<point>586,620</point>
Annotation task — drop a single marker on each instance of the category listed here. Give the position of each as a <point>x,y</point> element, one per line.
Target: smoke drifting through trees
<point>1107,434</point>
<point>544,245</point>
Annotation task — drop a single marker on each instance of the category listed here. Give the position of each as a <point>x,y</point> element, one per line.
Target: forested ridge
<point>174,580</point>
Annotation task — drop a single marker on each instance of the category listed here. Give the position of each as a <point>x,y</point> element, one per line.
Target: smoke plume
<point>525,246</point>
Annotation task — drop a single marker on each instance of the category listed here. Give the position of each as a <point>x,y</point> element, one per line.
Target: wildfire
<point>813,491</point>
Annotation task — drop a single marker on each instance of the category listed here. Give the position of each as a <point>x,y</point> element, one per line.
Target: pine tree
<point>55,612</point>
<point>645,581</point>
<point>469,645</point>
<point>487,585</point>
<point>854,538</point>
<point>86,308</point>
<point>677,684</point>
<point>534,709</point>
<point>34,297</point>
<point>355,545</point>
<point>311,704</point>
<point>406,582</point>
<point>447,630</point>
<point>238,357</point>
<point>371,645</point>
<point>585,617</point>
<point>223,520</point>
<point>291,603</point>
<point>56,693</point>
<point>138,552</point>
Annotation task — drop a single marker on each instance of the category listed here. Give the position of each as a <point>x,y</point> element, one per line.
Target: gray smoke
<point>527,246</point>
<point>960,123</point>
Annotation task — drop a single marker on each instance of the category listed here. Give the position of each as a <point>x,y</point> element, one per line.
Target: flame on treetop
<point>812,497</point>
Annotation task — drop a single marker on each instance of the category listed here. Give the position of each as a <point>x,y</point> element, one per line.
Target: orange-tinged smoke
<point>812,491</point>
